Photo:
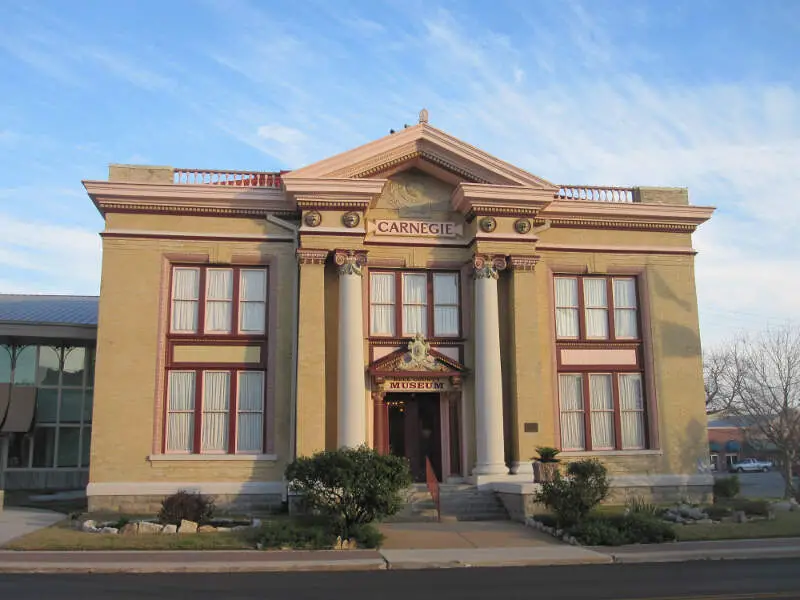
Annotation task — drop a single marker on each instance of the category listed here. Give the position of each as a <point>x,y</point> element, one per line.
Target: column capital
<point>523,263</point>
<point>309,256</point>
<point>350,262</point>
<point>486,266</point>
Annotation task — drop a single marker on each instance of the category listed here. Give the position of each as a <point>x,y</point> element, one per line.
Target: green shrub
<point>186,505</point>
<point>634,528</point>
<point>726,488</point>
<point>302,534</point>
<point>366,535</point>
<point>547,454</point>
<point>547,520</point>
<point>572,497</point>
<point>638,505</point>
<point>717,511</point>
<point>758,508</point>
<point>350,486</point>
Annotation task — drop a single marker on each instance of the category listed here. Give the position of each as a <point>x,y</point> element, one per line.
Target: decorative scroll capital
<point>523,263</point>
<point>350,262</point>
<point>307,256</point>
<point>487,265</point>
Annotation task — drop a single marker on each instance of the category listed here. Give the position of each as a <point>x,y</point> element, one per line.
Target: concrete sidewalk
<point>16,522</point>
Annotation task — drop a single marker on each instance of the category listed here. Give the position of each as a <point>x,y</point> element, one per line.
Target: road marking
<point>753,596</point>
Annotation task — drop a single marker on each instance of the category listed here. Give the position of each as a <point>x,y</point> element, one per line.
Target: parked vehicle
<point>750,465</point>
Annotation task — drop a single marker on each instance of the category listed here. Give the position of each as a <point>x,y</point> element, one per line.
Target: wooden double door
<point>415,431</point>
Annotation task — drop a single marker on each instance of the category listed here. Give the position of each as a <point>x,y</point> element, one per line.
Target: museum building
<point>414,294</point>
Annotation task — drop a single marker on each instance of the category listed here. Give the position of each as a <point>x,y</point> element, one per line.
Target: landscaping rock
<point>345,544</point>
<point>785,506</point>
<point>89,526</point>
<point>256,523</point>
<point>704,522</point>
<point>206,529</point>
<point>689,512</point>
<point>241,527</point>
<point>187,527</point>
<point>113,530</point>
<point>672,516</point>
<point>739,517</point>
<point>167,529</point>
<point>225,529</point>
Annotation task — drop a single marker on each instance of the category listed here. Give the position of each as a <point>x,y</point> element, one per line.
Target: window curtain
<point>180,409</point>
<point>625,308</point>
<point>596,300</point>
<point>566,307</point>
<point>631,400</point>
<point>185,290</point>
<point>571,395</point>
<point>445,304</point>
<point>250,425</point>
<point>216,404</point>
<point>219,297</point>
<point>602,399</point>
<point>382,300</point>
<point>415,296</point>
<point>252,300</point>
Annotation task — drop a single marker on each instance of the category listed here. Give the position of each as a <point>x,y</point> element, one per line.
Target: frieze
<point>406,227</point>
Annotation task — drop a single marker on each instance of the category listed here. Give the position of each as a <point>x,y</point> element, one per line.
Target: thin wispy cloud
<point>577,92</point>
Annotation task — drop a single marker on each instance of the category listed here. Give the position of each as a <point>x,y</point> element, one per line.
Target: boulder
<point>147,527</point>
<point>690,512</point>
<point>225,529</point>
<point>206,529</point>
<point>672,516</point>
<point>167,529</point>
<point>704,522</point>
<point>89,526</point>
<point>784,506</point>
<point>256,523</point>
<point>187,527</point>
<point>112,530</point>
<point>739,517</point>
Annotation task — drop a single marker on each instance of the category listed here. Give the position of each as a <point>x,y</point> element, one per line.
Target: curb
<point>369,564</point>
<point>693,555</point>
<point>457,564</point>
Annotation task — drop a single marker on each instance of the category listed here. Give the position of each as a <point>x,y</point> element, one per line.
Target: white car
<point>750,465</point>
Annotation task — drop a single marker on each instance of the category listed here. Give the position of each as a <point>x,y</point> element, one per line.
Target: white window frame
<point>241,302</point>
<point>191,411</point>
<point>574,310</point>
<point>195,300</point>
<point>393,304</point>
<point>403,303</point>
<point>209,301</point>
<point>203,411</point>
<point>262,412</point>
<point>634,309</point>
<point>455,275</point>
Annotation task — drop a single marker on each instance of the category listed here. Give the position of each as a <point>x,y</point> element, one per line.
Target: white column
<point>488,373</point>
<point>351,389</point>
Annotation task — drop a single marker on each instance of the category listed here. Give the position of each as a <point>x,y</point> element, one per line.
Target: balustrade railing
<point>433,487</point>
<point>596,193</point>
<point>235,178</point>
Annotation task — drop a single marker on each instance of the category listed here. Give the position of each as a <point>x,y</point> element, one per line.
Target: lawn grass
<point>62,537</point>
<point>786,524</point>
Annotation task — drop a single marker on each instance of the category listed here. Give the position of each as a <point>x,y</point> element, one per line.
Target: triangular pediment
<point>425,148</point>
<point>405,363</point>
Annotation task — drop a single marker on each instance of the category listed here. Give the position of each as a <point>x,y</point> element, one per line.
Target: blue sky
<point>682,93</point>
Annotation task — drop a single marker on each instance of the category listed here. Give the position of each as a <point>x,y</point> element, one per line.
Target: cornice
<point>518,262</point>
<point>327,186</point>
<point>619,224</point>
<point>308,256</point>
<point>618,212</point>
<point>473,200</point>
<point>209,200</point>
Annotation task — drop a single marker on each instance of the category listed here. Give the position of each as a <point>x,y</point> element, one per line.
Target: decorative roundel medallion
<point>351,219</point>
<point>488,224</point>
<point>522,225</point>
<point>313,218</point>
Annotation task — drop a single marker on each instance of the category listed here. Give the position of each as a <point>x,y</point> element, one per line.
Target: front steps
<point>460,502</point>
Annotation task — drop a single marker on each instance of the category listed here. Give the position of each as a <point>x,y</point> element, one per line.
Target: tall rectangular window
<point>216,411</point>
<point>572,415</point>
<point>252,300</point>
<point>631,401</point>
<point>625,308</point>
<point>602,402</point>
<point>415,304</point>
<point>250,412</point>
<point>445,304</point>
<point>382,304</point>
<point>595,299</point>
<point>185,299</point>
<point>567,315</point>
<point>219,300</point>
<point>180,411</point>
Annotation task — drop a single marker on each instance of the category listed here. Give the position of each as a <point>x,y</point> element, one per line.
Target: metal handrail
<point>433,487</point>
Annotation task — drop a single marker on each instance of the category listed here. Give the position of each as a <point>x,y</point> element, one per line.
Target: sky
<point>703,94</point>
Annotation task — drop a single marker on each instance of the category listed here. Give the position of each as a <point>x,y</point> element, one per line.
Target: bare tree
<point>768,395</point>
<point>723,375</point>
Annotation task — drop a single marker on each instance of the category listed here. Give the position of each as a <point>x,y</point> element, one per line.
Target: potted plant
<point>545,466</point>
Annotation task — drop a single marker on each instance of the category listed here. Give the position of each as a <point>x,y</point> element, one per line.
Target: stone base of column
<point>522,468</point>
<point>488,481</point>
<point>491,469</point>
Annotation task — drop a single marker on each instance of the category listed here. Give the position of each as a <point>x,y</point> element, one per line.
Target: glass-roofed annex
<point>47,348</point>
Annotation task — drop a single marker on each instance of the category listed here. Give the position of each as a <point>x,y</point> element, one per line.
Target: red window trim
<point>612,332</point>
<point>587,409</point>
<point>199,381</point>
<point>398,303</point>
<point>235,333</point>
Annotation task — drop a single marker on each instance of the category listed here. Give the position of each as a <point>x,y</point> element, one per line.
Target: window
<point>616,413</point>
<point>429,304</point>
<point>596,308</point>
<point>63,378</point>
<point>224,416</point>
<point>224,300</point>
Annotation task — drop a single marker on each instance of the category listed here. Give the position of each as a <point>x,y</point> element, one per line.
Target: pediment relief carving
<point>418,358</point>
<point>415,194</point>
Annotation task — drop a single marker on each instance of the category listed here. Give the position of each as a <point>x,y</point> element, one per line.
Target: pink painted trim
<point>444,420</point>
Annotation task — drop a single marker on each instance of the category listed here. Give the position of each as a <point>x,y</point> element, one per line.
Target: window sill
<point>212,457</point>
<point>581,453</point>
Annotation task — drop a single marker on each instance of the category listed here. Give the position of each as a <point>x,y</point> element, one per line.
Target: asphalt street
<point>706,580</point>
<point>759,485</point>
